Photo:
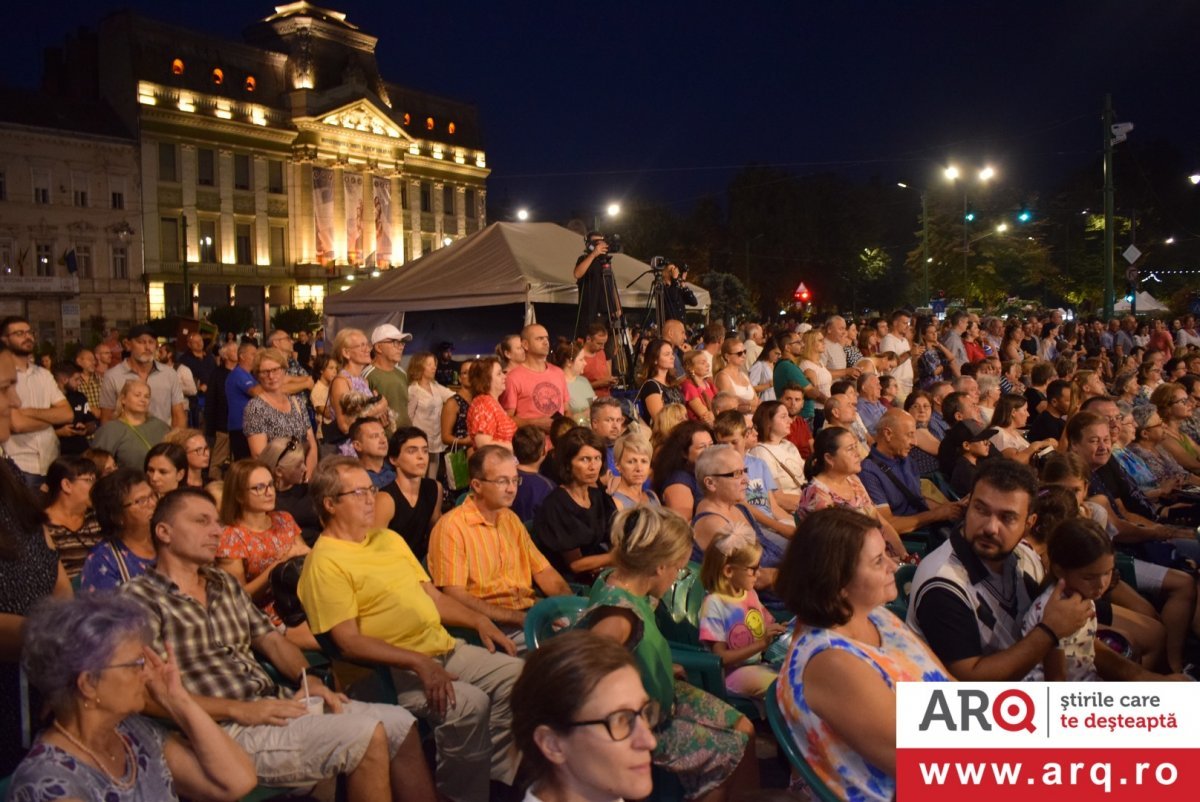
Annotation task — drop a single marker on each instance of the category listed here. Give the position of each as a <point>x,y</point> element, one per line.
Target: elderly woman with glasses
<point>90,659</point>
<point>274,413</point>
<point>124,502</point>
<point>257,537</point>
<point>707,744</point>
<point>583,722</point>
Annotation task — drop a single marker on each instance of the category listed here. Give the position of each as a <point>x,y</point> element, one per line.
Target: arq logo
<point>1010,710</point>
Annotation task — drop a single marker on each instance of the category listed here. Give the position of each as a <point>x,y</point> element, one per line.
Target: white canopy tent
<point>505,263</point>
<point>1145,303</point>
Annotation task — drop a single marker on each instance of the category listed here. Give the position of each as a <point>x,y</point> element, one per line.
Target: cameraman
<point>594,304</point>
<point>677,295</point>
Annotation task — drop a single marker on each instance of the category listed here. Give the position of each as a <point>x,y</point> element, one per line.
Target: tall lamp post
<point>612,211</point>
<point>952,174</point>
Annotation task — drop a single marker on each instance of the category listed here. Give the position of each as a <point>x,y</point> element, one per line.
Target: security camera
<point>1121,129</point>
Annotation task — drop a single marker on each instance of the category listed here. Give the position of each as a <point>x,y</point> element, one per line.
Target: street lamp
<point>611,211</point>
<point>1194,178</point>
<point>985,174</point>
<point>522,215</point>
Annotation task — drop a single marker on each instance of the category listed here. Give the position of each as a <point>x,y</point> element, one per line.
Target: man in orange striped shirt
<point>480,553</point>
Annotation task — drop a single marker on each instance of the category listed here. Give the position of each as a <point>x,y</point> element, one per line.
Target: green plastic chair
<point>904,580</point>
<point>784,736</point>
<point>539,620</point>
<point>678,613</point>
<point>376,685</point>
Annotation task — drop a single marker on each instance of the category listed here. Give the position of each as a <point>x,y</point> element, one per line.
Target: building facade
<point>276,169</point>
<point>70,220</point>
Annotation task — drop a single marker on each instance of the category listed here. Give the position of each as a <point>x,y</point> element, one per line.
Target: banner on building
<point>353,182</point>
<point>323,213</point>
<point>383,220</point>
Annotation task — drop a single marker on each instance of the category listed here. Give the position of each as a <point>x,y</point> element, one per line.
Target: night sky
<point>583,103</point>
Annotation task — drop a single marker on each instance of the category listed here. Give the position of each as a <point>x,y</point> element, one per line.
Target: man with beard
<point>33,445</point>
<point>970,595</point>
<point>166,393</point>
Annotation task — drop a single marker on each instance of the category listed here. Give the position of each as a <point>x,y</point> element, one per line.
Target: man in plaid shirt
<point>214,630</point>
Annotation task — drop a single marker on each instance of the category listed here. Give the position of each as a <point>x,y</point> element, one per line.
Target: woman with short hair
<point>133,431</point>
<point>90,659</point>
<point>583,722</point>
<point>410,505</point>
<point>924,451</point>
<point>71,526</point>
<point>632,453</point>
<point>124,503</point>
<point>847,646</point>
<point>274,413</point>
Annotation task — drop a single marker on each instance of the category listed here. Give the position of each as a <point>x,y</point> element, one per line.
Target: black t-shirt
<point>671,395</point>
<point>296,502</point>
<point>562,525</point>
<point>1046,427</point>
<point>592,295</point>
<point>76,444</point>
<point>1033,397</point>
<point>216,405</point>
<point>201,367</point>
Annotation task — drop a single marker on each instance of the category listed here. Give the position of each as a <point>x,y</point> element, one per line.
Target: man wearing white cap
<point>385,376</point>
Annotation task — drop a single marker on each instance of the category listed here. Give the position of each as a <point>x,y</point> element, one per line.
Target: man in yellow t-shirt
<point>480,553</point>
<point>363,586</point>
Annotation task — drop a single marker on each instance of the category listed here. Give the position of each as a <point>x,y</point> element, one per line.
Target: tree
<point>294,319</point>
<point>730,300</point>
<point>231,318</point>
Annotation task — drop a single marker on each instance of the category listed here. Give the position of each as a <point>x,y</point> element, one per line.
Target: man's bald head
<point>674,333</point>
<point>896,433</point>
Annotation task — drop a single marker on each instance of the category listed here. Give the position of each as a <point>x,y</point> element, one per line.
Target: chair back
<point>541,618</point>
<point>904,579</point>
<point>678,612</point>
<point>783,735</point>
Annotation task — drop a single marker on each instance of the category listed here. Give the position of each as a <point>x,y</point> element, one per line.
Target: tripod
<point>655,303</point>
<point>622,347</point>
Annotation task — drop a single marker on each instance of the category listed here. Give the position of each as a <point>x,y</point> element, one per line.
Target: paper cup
<point>316,705</point>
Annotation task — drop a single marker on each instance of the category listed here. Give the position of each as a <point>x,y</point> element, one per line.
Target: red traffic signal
<point>802,295</point>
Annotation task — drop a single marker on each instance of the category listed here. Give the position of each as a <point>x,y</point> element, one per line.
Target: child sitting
<point>733,622</point>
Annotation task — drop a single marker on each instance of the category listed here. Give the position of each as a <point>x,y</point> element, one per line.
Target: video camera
<point>660,263</point>
<point>614,245</point>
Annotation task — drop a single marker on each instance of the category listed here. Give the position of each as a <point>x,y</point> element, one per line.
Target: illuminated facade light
<point>450,128</point>
<point>460,156</point>
<point>251,84</point>
<point>414,148</point>
<point>257,115</point>
<point>187,102</point>
<point>218,76</point>
<point>224,111</point>
<point>480,161</point>
<point>177,67</point>
<point>429,123</point>
<point>146,94</point>
<point>437,152</point>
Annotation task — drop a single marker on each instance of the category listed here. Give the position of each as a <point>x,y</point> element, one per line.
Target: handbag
<point>457,475</point>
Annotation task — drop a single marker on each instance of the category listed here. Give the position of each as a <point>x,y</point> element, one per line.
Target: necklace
<point>131,768</point>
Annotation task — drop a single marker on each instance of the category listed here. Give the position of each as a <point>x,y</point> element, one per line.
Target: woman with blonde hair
<point>274,413</point>
<point>199,455</point>
<point>670,416</point>
<point>812,347</point>
<point>707,744</point>
<point>697,386</point>
<point>133,431</point>
<point>426,398</point>
<point>632,453</point>
<point>349,390</point>
<point>735,376</point>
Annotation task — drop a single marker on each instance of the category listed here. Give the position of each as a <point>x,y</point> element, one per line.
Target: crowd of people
<point>172,523</point>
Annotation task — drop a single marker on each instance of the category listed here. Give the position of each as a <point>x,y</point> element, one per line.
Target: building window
<point>426,197</point>
<point>469,202</point>
<point>81,198</point>
<point>242,244</point>
<point>404,195</point>
<point>407,120</point>
<point>241,171</point>
<point>3,186</point>
<point>6,265</point>
<point>278,245</point>
<point>168,169</point>
<point>275,176</point>
<point>206,167</point>
<point>41,187</point>
<point>83,260</point>
<point>43,261</point>
<point>208,241</point>
<point>120,262</point>
<point>168,239</point>
<point>177,67</point>
<point>448,200</point>
<point>118,200</point>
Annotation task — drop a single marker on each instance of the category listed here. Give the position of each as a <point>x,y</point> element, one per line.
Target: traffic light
<point>969,215</point>
<point>1024,216</point>
<point>802,295</point>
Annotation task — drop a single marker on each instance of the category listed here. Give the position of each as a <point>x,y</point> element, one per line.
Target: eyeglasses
<point>360,492</point>
<point>269,371</point>
<point>261,489</point>
<point>144,501</point>
<point>505,481</point>
<point>1184,400</point>
<point>198,450</point>
<point>738,353</point>
<point>738,474</point>
<point>21,333</point>
<point>751,569</point>
<point>620,723</point>
<point>139,664</point>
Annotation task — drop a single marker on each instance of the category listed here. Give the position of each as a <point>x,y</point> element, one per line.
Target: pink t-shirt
<point>595,368</point>
<point>534,394</point>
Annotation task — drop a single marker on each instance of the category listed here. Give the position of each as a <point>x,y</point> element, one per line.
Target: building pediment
<point>365,117</point>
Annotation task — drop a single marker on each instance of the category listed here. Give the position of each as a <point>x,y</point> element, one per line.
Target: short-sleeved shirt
<point>34,451</point>
<point>562,525</point>
<point>883,490</point>
<point>903,372</point>
<point>486,416</point>
<point>1047,427</point>
<point>784,462</point>
<point>262,418</point>
<point>165,388</point>
<point>493,562</point>
<point>237,396</point>
<point>962,609</point>
<point>129,444</point>
<point>378,584</point>
<point>48,772</point>
<point>535,394</point>
<point>392,386</point>
<point>954,344</point>
<point>259,549</point>
<point>595,368</point>
<point>212,641</point>
<point>102,568</point>
<point>533,491</point>
<point>1078,648</point>
<point>786,374</point>
<point>870,412</point>
<point>691,391</point>
<point>761,483</point>
<point>73,545</point>
<point>736,621</point>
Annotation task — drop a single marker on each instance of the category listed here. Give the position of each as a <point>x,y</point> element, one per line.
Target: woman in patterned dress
<point>274,413</point>
<point>71,525</point>
<point>849,646</point>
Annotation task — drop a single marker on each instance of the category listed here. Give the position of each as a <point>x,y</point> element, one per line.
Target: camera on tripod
<point>659,263</point>
<point>613,242</point>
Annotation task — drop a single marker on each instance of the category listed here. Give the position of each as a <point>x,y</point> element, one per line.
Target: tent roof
<point>1145,303</point>
<point>505,263</point>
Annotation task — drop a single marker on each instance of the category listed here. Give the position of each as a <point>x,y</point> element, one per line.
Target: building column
<point>399,254</point>
<point>262,228</point>
<point>481,207</point>
<point>189,170</point>
<point>439,209</point>
<point>302,227</point>
<point>368,221</point>
<point>460,210</point>
<point>227,233</point>
<point>414,215</point>
<point>341,245</point>
<point>151,256</point>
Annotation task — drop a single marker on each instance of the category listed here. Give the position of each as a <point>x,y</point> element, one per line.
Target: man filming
<point>677,295</point>
<point>598,299</point>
